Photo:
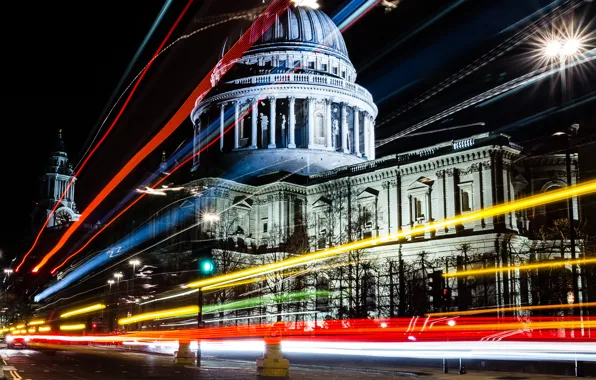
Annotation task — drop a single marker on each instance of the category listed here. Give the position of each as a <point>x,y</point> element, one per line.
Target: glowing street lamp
<point>209,217</point>
<point>563,49</point>
<point>8,271</point>
<point>118,276</point>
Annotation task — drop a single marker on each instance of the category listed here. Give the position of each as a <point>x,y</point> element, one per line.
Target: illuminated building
<point>59,173</point>
<point>294,170</point>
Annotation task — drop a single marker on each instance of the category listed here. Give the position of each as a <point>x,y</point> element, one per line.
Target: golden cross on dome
<point>306,3</point>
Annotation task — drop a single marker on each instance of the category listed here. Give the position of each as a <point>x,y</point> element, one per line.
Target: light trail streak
<point>356,15</point>
<point>83,310</point>
<point>178,312</point>
<point>106,225</point>
<point>100,259</point>
<point>521,81</point>
<point>37,322</point>
<point>123,246</point>
<point>388,49</point>
<point>545,21</point>
<point>548,264</point>
<point>248,38</point>
<point>514,308</point>
<point>133,61</point>
<point>552,196</point>
<point>78,326</point>
<point>78,171</point>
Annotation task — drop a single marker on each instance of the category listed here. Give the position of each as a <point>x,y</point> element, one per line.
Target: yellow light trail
<point>180,311</point>
<point>31,330</point>
<point>20,326</point>
<point>536,200</point>
<point>547,264</point>
<point>83,310</point>
<point>45,328</point>
<point>512,308</point>
<point>37,322</point>
<point>78,326</point>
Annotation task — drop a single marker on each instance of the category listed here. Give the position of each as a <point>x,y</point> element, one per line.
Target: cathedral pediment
<point>421,183</point>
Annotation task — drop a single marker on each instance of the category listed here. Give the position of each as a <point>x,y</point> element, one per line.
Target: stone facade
<point>292,108</point>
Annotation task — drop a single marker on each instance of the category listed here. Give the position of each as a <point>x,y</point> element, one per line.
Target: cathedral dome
<point>289,104</point>
<point>302,28</point>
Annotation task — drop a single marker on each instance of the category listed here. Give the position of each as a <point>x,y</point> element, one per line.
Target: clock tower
<point>58,174</point>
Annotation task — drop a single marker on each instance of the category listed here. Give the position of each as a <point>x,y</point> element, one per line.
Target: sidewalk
<point>349,372</point>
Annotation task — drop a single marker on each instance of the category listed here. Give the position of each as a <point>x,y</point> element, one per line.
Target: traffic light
<point>206,266</point>
<point>437,288</point>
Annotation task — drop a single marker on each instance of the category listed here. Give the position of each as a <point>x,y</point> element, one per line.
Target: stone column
<point>236,125</point>
<point>371,130</point>
<point>366,137</point>
<point>255,118</point>
<point>328,130</point>
<point>344,128</point>
<point>477,194</point>
<point>428,206</point>
<point>310,122</point>
<point>222,112</point>
<point>488,191</point>
<point>440,189</point>
<point>450,196</point>
<point>196,146</point>
<point>291,122</point>
<point>411,210</point>
<point>357,132</point>
<point>272,102</point>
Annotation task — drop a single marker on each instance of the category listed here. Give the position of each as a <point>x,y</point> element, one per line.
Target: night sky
<point>62,63</point>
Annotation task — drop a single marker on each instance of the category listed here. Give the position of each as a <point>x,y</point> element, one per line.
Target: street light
<point>562,49</point>
<point>118,276</point>
<point>210,217</point>
<point>8,271</point>
<point>571,131</point>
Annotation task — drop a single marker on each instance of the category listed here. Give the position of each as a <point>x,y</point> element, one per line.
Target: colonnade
<point>346,146</point>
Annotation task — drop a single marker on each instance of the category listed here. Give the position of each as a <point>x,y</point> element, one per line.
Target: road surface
<point>92,363</point>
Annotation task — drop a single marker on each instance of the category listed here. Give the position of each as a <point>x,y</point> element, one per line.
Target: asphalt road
<point>91,363</point>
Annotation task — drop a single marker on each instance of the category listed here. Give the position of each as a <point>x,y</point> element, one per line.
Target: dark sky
<point>62,62</point>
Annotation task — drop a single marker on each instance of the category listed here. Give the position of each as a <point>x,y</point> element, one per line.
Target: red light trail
<point>116,119</point>
<point>248,38</point>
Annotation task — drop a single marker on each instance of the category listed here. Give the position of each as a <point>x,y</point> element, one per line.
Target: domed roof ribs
<point>318,28</point>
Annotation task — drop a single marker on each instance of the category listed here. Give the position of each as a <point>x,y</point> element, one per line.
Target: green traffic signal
<point>206,266</point>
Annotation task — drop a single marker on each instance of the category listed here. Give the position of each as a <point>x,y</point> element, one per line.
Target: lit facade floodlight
<point>306,3</point>
<point>209,217</point>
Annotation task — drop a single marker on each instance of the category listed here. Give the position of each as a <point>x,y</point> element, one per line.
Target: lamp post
<point>571,131</point>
